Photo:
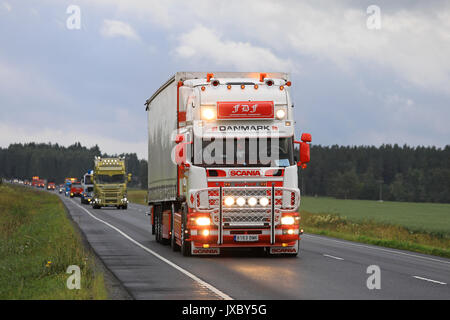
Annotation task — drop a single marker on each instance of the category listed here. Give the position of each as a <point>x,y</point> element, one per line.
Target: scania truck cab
<point>222,172</point>
<point>110,183</point>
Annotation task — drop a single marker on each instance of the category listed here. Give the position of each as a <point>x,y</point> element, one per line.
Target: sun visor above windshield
<point>232,129</point>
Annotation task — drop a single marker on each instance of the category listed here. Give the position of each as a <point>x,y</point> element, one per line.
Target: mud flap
<point>284,250</point>
<point>204,251</point>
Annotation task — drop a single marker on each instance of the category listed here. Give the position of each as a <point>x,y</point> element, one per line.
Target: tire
<point>173,242</point>
<point>157,225</point>
<point>125,207</point>
<point>185,245</point>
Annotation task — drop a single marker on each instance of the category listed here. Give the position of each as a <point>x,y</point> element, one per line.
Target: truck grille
<point>246,215</point>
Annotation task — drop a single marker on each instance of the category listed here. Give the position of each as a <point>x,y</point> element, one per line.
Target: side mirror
<point>304,149</point>
<point>306,137</point>
<point>304,152</point>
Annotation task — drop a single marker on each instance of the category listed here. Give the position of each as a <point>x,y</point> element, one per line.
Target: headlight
<point>229,201</point>
<point>203,221</point>
<point>208,113</point>
<point>264,201</point>
<point>280,114</point>
<point>252,201</point>
<point>240,201</point>
<point>287,220</point>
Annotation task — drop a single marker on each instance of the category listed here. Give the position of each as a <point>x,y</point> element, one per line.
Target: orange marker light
<point>256,86</point>
<point>288,83</point>
<point>281,87</point>
<point>203,88</point>
<point>242,86</point>
<point>229,87</point>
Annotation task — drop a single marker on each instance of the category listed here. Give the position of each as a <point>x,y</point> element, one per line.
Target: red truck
<point>51,186</point>
<point>76,189</point>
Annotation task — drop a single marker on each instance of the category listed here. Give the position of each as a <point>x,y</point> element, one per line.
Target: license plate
<point>246,237</point>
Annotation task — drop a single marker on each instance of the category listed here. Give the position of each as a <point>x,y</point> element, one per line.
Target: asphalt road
<point>326,268</point>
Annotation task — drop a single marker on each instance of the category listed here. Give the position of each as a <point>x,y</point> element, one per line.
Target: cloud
<point>7,6</point>
<point>116,28</point>
<point>202,43</point>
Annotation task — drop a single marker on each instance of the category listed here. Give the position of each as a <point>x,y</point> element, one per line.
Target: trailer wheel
<point>158,230</point>
<point>173,242</point>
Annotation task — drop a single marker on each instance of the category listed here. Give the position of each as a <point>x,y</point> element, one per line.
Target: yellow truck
<point>110,183</point>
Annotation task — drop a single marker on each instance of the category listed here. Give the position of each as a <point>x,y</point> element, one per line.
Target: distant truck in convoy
<point>68,185</point>
<point>76,189</point>
<point>110,183</point>
<point>51,186</point>
<point>221,166</point>
<point>88,187</point>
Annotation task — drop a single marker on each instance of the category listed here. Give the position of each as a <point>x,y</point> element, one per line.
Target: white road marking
<point>333,257</point>
<point>377,248</point>
<point>429,280</point>
<point>190,275</point>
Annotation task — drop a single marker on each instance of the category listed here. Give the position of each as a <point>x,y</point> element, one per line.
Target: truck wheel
<point>185,245</point>
<point>157,225</point>
<point>173,243</point>
<point>125,207</point>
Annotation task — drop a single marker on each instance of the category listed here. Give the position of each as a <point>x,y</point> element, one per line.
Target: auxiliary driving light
<point>264,201</point>
<point>240,201</point>
<point>281,113</point>
<point>287,220</point>
<point>203,221</point>
<point>205,232</point>
<point>229,201</point>
<point>252,201</point>
<point>208,113</point>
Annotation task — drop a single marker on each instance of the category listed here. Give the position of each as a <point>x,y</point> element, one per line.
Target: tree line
<point>389,172</point>
<point>54,162</point>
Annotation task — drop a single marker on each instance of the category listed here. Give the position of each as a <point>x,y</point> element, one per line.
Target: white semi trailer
<point>221,166</point>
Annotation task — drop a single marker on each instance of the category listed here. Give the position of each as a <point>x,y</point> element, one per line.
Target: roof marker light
<point>262,76</point>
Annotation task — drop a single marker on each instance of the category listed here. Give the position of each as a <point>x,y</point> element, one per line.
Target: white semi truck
<point>221,166</point>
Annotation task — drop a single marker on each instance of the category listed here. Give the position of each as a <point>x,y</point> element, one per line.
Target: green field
<point>420,227</point>
<point>37,244</point>
<point>428,217</point>
<point>137,196</point>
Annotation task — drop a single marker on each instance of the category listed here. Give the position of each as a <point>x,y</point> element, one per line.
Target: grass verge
<point>37,244</point>
<point>377,233</point>
<point>137,196</point>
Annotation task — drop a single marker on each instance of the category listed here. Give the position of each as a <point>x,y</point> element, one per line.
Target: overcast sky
<point>353,83</point>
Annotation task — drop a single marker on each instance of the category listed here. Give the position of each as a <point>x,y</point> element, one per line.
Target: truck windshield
<point>76,185</point>
<point>115,178</point>
<point>246,152</point>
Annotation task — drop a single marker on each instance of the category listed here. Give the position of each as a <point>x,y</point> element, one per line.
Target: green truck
<point>110,183</point>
